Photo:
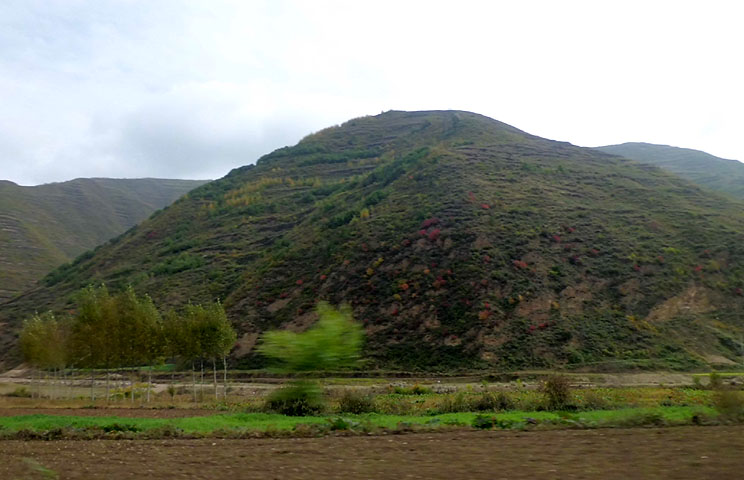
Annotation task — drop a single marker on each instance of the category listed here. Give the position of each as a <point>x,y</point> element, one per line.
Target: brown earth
<point>669,453</point>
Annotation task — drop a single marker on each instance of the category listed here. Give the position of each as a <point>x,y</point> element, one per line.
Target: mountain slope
<point>459,242</point>
<point>44,226</point>
<point>699,167</point>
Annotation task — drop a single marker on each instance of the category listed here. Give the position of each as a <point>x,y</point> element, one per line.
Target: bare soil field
<point>669,453</point>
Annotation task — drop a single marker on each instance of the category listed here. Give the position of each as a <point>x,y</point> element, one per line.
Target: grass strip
<point>233,424</point>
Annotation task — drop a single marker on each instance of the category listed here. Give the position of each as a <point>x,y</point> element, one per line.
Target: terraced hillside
<point>459,241</point>
<point>45,226</point>
<point>712,172</point>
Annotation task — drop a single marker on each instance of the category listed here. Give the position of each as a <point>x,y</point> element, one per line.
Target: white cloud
<point>193,88</point>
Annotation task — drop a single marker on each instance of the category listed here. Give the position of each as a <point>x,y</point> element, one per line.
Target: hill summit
<point>459,241</point>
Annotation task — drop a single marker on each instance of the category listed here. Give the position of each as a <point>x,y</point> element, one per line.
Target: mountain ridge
<point>458,240</point>
<point>45,225</point>
<point>709,171</point>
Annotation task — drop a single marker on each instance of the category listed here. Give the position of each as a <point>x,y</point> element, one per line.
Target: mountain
<point>699,167</point>
<point>459,242</point>
<point>44,226</point>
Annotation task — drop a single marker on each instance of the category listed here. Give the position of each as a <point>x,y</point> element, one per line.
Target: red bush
<point>323,277</point>
<point>404,286</point>
<point>519,264</point>
<point>485,206</point>
<point>434,234</point>
<point>299,282</point>
<point>429,222</point>
<point>556,238</point>
<point>637,268</point>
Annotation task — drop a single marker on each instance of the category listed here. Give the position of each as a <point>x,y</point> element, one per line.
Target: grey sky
<point>191,89</point>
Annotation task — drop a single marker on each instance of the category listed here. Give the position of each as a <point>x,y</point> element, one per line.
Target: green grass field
<point>263,423</point>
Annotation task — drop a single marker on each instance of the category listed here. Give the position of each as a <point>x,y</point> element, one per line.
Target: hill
<point>459,241</point>
<point>44,226</point>
<point>712,172</point>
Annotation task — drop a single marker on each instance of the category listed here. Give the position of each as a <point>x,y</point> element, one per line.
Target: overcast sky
<point>191,89</point>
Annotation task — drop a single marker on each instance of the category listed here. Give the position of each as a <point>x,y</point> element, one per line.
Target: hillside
<point>715,173</point>
<point>459,242</point>
<point>44,226</point>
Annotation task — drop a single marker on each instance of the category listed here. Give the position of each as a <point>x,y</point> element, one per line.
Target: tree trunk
<point>201,381</point>
<point>92,382</point>
<point>214,371</point>
<point>224,376</point>
<point>193,380</point>
<point>149,383</point>
<point>107,385</point>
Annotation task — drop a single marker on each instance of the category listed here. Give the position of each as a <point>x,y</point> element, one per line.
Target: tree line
<point>115,331</point>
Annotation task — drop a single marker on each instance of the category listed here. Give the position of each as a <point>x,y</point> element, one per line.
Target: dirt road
<point>669,453</point>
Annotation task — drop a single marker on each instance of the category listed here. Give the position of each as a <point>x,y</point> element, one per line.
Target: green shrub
<point>715,381</point>
<point>453,403</point>
<point>414,390</point>
<point>492,402</point>
<point>120,427</point>
<point>729,403</point>
<point>646,419</point>
<point>484,422</point>
<point>557,391</point>
<point>592,400</point>
<point>21,392</point>
<point>298,399</point>
<point>355,402</point>
<point>340,423</point>
<point>393,406</point>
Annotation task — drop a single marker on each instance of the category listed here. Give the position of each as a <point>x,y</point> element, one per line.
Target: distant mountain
<point>44,226</point>
<point>459,242</point>
<point>702,168</point>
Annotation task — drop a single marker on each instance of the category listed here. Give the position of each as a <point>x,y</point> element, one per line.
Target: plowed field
<point>669,453</point>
